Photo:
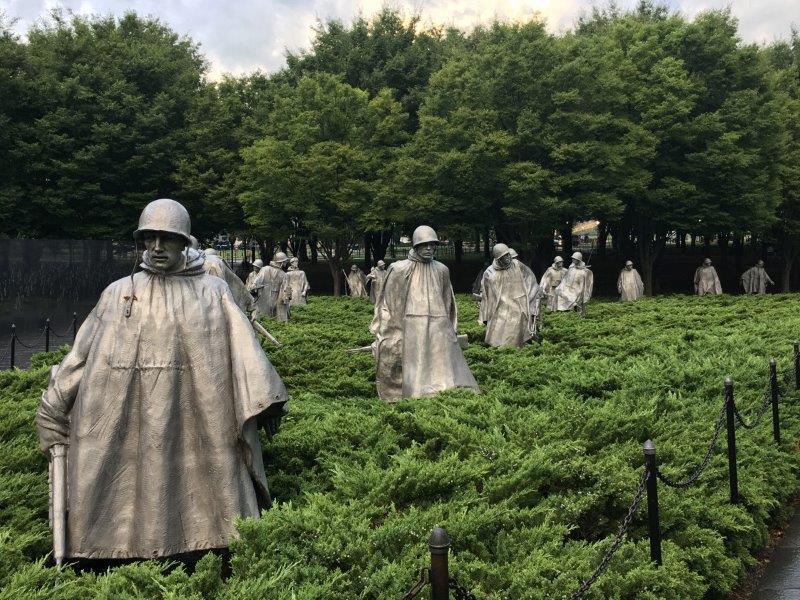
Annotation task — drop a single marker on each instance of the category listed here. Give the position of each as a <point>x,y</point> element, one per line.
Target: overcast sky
<point>239,36</point>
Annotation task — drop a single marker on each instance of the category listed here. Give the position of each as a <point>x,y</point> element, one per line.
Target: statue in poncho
<point>251,276</point>
<point>629,283</point>
<point>214,265</point>
<point>375,280</point>
<point>416,347</point>
<point>298,282</point>
<point>755,280</point>
<point>272,288</point>
<point>357,283</point>
<point>510,300</point>
<point>706,281</point>
<point>551,280</point>
<point>575,289</point>
<point>160,433</point>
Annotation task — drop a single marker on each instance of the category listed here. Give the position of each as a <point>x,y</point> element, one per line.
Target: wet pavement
<point>781,578</point>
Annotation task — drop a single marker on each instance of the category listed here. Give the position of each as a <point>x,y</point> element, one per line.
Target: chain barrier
<point>765,402</point>
<point>459,591</point>
<point>67,333</point>
<point>424,579</point>
<point>623,529</point>
<point>33,345</point>
<point>692,479</point>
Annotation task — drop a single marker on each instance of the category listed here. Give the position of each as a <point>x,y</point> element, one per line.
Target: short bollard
<point>47,335</point>
<point>13,351</point>
<point>654,527</point>
<point>797,365</point>
<point>773,386</point>
<point>439,545</point>
<point>731,424</point>
<point>74,326</point>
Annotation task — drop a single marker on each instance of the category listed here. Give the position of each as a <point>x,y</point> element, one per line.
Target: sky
<point>241,36</point>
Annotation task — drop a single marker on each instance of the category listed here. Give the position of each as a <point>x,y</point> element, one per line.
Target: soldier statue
<point>550,281</point>
<point>151,421</point>
<point>375,280</point>
<point>575,289</point>
<point>755,280</point>
<point>357,283</point>
<point>629,284</point>
<point>251,276</point>
<point>416,347</point>
<point>706,281</point>
<point>214,265</point>
<point>298,282</point>
<point>272,288</point>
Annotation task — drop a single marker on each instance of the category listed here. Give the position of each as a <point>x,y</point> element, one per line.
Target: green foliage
<point>531,478</point>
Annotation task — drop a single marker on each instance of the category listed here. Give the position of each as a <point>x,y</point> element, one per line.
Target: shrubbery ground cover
<point>531,479</point>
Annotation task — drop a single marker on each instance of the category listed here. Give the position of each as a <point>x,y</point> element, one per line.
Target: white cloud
<point>240,36</point>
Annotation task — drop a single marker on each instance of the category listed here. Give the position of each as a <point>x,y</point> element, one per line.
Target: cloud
<point>244,35</point>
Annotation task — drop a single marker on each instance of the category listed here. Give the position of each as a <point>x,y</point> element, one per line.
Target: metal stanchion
<point>654,527</point>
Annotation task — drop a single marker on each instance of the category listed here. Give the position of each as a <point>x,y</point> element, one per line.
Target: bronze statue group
<point>151,421</point>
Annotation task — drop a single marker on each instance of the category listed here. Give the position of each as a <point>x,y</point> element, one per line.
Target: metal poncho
<point>164,452</point>
<point>376,279</point>
<point>706,281</point>
<point>630,285</point>
<point>575,288</point>
<point>550,281</point>
<point>510,302</point>
<point>357,284</point>
<point>755,280</point>
<point>416,349</point>
<point>298,282</point>
<point>214,265</point>
<point>274,293</point>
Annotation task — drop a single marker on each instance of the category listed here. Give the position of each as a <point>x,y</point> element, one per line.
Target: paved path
<point>781,578</point>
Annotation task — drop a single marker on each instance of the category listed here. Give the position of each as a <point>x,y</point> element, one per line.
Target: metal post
<point>74,326</point>
<point>13,345</point>
<point>654,526</point>
<point>47,335</point>
<point>797,365</point>
<point>439,545</point>
<point>773,385</point>
<point>733,475</point>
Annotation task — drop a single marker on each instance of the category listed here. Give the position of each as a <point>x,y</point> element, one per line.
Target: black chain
<point>623,529</point>
<point>459,591</point>
<point>765,402</point>
<point>424,578</point>
<point>67,333</point>
<point>692,479</point>
<point>33,345</point>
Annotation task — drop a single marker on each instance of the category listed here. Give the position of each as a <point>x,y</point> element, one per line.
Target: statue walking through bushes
<point>755,280</point>
<point>157,407</point>
<point>416,347</point>
<point>298,282</point>
<point>575,289</point>
<point>214,265</point>
<point>357,283</point>
<point>272,286</point>
<point>706,281</point>
<point>509,300</point>
<point>251,276</point>
<point>551,280</point>
<point>629,283</point>
<point>375,280</point>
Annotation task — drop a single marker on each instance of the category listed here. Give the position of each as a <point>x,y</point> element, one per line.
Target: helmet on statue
<point>280,257</point>
<point>424,235</point>
<point>577,256</point>
<point>164,215</point>
<point>258,263</point>
<point>500,250</point>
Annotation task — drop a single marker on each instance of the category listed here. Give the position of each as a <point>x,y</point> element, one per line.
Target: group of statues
<point>754,281</point>
<point>153,438</point>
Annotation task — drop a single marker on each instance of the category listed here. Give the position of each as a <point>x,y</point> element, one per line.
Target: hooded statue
<point>629,284</point>
<point>551,280</point>
<point>357,283</point>
<point>416,348</point>
<point>755,280</point>
<point>163,451</point>
<point>375,280</point>
<point>510,300</point>
<point>251,276</point>
<point>272,288</point>
<point>214,265</point>
<point>575,289</point>
<point>706,281</point>
<point>298,282</point>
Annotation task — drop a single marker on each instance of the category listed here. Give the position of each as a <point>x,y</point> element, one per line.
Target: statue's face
<point>427,251</point>
<point>760,263</point>
<point>629,267</point>
<point>560,264</point>
<point>505,261</point>
<point>353,268</point>
<point>165,249</point>
<point>707,262</point>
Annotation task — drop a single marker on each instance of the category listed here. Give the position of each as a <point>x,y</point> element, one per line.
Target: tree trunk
<point>458,248</point>
<point>722,241</point>
<point>602,237</point>
<point>648,252</point>
<point>486,249</point>
<point>477,241</point>
<point>693,242</point>
<point>738,253</point>
<point>312,244</point>
<point>566,240</point>
<point>786,276</point>
<point>367,250</point>
<point>303,251</point>
<point>380,242</point>
<point>335,266</point>
<point>706,245</point>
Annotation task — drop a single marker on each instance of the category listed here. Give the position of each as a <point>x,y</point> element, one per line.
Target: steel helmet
<point>258,263</point>
<point>211,252</point>
<point>500,250</point>
<point>577,256</point>
<point>628,262</point>
<point>294,260</point>
<point>381,263</point>
<point>280,257</point>
<point>558,259</point>
<point>424,235</point>
<point>513,253</point>
<point>165,215</point>
<point>193,243</point>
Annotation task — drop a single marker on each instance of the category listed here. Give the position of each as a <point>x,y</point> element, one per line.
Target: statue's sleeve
<point>589,286</point>
<point>449,297</point>
<point>52,418</point>
<point>487,299</point>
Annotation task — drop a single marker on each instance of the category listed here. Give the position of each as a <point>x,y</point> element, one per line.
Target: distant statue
<point>551,280</point>
<point>706,281</point>
<point>755,280</point>
<point>416,347</point>
<point>251,276</point>
<point>272,288</point>
<point>510,300</point>
<point>151,420</point>
<point>298,282</point>
<point>357,283</point>
<point>629,283</point>
<point>575,289</point>
<point>477,293</point>
<point>375,280</point>
<point>214,265</point>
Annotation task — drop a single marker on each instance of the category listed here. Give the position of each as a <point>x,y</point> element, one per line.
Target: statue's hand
<point>270,419</point>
